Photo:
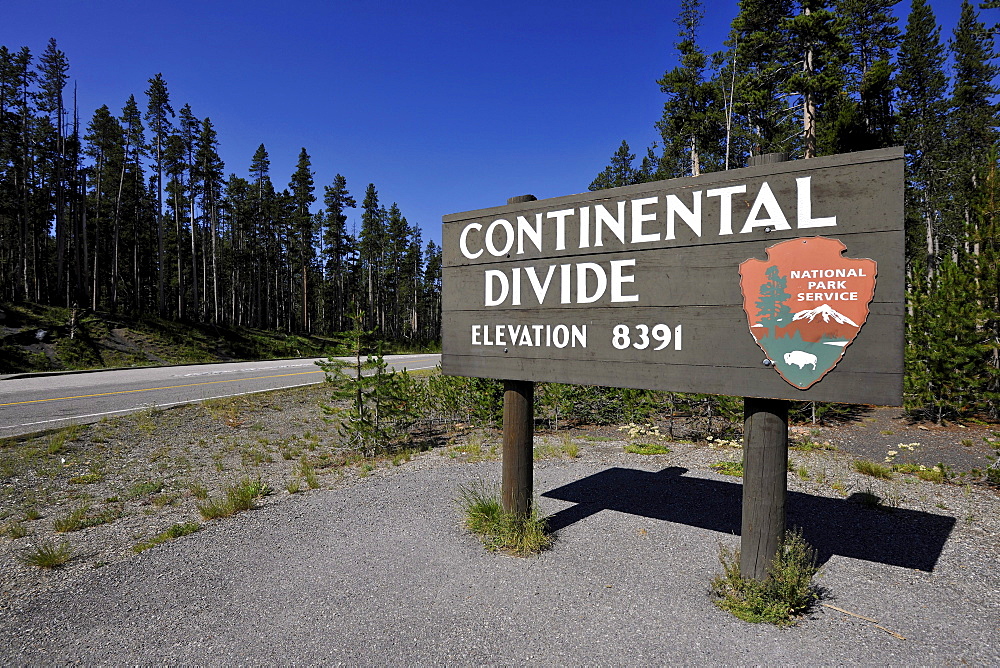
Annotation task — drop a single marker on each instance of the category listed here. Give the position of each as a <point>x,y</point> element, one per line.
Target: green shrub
<point>785,594</point>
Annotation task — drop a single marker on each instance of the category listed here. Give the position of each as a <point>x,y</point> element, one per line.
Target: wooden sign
<point>654,285</point>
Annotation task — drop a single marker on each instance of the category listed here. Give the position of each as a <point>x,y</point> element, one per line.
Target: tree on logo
<point>773,311</point>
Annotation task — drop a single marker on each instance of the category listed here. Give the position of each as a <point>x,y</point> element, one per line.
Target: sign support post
<point>765,483</point>
<point>765,466</point>
<point>517,482</point>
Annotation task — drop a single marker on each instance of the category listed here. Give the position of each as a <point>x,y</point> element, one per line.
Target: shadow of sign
<point>892,536</point>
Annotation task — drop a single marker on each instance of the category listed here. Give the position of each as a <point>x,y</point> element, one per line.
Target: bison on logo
<point>805,304</point>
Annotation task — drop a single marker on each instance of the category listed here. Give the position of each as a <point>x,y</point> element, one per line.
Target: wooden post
<point>765,466</point>
<point>765,483</point>
<point>518,436</point>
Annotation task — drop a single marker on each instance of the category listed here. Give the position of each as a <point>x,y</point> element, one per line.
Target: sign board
<point>782,281</point>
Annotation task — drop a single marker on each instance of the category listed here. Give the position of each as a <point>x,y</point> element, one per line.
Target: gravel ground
<point>374,567</point>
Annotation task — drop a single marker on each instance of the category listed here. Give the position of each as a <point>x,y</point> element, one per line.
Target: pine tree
<point>619,173</point>
<point>378,412</point>
<point>130,205</point>
<point>210,170</point>
<point>260,277</point>
<point>303,231</point>
<point>52,70</point>
<point>692,124</point>
<point>432,292</point>
<point>922,113</point>
<point>973,118</point>
<point>816,36</point>
<point>106,147</point>
<point>762,64</point>
<point>187,130</point>
<point>337,247</point>
<point>371,256</point>
<point>158,113</point>
<point>865,121</point>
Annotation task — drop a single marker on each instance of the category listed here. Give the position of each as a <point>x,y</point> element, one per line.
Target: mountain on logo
<point>827,312</point>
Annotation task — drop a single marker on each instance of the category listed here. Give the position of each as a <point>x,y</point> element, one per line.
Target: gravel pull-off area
<point>376,569</point>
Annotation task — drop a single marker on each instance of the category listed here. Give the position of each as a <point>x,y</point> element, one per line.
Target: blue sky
<point>445,106</point>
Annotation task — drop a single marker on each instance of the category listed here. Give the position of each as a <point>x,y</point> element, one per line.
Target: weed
<point>47,554</point>
<point>873,469</point>
<point>288,453</point>
<point>968,442</point>
<point>786,593</point>
<point>294,486</point>
<point>808,444</point>
<point>722,443</point>
<point>308,473</point>
<point>217,461</point>
<point>993,475</point>
<point>636,430</point>
<point>16,530</point>
<point>802,472</point>
<point>647,448</point>
<point>145,488</point>
<point>570,447</point>
<point>939,473</point>
<point>167,499</point>
<point>175,531</point>
<point>198,491</point>
<point>145,421</point>
<point>81,518</point>
<point>255,457</point>
<point>887,432</point>
<point>241,495</point>
<point>57,442</point>
<point>498,529</point>
<point>31,514</point>
<point>729,468</point>
<point>246,492</point>
<point>213,509</point>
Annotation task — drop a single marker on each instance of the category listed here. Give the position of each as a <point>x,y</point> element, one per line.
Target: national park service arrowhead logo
<point>805,304</point>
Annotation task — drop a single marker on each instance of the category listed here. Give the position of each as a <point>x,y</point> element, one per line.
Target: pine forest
<point>131,212</point>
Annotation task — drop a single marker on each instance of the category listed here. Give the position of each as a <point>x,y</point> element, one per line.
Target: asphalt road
<point>31,403</point>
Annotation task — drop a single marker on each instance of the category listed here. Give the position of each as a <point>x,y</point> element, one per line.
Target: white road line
<point>172,403</point>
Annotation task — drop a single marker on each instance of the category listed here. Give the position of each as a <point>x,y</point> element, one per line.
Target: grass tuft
<point>47,554</point>
<point>16,529</point>
<point>81,518</point>
<point>729,468</point>
<point>647,448</point>
<point>499,530</point>
<point>873,469</point>
<point>240,496</point>
<point>785,594</point>
<point>175,531</point>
